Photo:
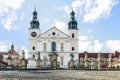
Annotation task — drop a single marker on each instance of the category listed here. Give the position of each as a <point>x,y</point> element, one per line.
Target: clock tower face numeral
<point>33,34</point>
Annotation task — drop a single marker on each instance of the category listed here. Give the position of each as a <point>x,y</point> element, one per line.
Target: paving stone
<point>60,75</point>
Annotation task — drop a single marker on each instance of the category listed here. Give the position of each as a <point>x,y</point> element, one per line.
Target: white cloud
<point>9,22</point>
<point>67,9</point>
<point>77,4</point>
<point>101,8</point>
<point>97,46</point>
<point>87,44</point>
<point>8,14</point>
<point>92,10</point>
<point>59,24</point>
<point>3,46</point>
<point>84,43</point>
<point>113,45</point>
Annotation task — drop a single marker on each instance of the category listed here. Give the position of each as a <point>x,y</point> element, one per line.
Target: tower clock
<point>33,34</point>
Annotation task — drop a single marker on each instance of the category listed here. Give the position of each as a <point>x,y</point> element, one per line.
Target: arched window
<point>45,60</point>
<point>62,47</point>
<point>73,49</point>
<point>53,46</point>
<point>73,35</point>
<point>33,48</point>
<point>33,56</point>
<point>44,46</point>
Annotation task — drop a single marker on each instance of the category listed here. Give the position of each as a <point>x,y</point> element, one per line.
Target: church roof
<point>12,51</point>
<point>55,29</point>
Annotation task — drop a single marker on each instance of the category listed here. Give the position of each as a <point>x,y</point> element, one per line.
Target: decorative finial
<point>35,13</point>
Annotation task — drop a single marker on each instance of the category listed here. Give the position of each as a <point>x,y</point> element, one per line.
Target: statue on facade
<point>53,59</point>
<point>23,60</point>
<point>71,63</point>
<point>110,61</point>
<point>99,61</point>
<point>38,61</point>
<point>86,61</point>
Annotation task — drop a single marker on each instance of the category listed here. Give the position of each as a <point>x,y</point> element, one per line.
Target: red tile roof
<point>116,62</point>
<point>95,55</point>
<point>12,52</point>
<point>116,54</point>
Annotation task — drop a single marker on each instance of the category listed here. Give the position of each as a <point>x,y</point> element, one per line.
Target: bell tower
<point>34,31</point>
<point>73,32</point>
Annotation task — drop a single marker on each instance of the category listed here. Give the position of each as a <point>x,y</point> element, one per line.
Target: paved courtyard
<point>59,75</point>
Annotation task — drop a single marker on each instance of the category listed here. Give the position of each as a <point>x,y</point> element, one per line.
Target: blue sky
<point>98,22</point>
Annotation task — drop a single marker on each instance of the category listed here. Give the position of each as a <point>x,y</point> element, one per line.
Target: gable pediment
<point>54,32</point>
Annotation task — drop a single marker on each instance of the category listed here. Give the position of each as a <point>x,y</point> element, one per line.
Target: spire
<point>12,47</point>
<point>34,14</point>
<point>72,15</point>
<point>34,24</point>
<point>72,23</point>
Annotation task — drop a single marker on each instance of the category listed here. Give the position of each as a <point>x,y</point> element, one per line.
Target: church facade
<point>43,44</point>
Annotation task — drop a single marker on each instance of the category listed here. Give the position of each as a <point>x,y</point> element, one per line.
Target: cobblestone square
<point>59,75</point>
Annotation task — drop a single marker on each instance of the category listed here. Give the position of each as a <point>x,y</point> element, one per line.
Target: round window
<point>53,33</point>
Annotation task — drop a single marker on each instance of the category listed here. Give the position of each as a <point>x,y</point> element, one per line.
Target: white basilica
<point>42,44</point>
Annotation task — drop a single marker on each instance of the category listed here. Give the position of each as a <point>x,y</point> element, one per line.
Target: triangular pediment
<point>54,32</point>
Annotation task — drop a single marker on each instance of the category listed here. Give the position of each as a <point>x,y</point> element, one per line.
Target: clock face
<point>33,34</point>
